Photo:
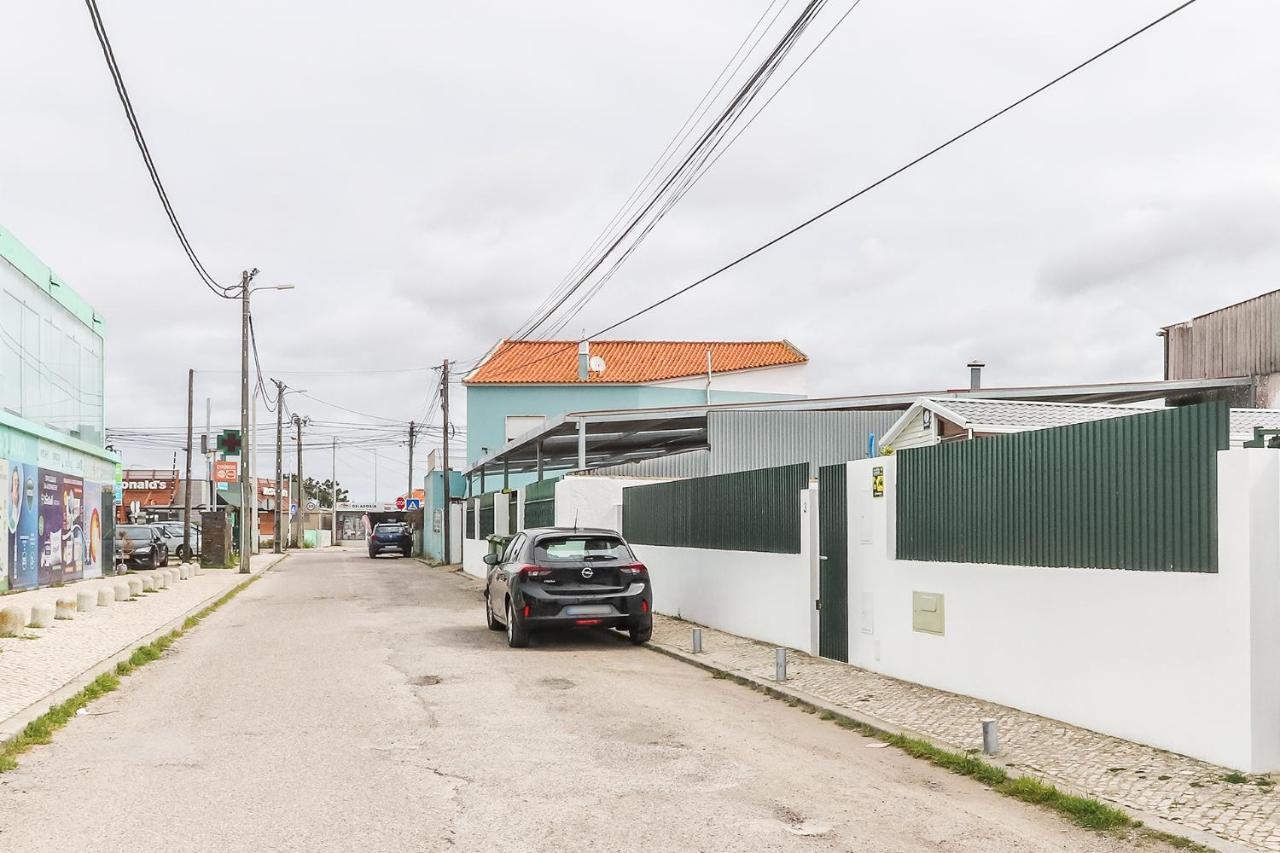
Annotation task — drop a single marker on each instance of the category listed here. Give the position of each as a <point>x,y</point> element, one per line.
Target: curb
<point>776,691</point>
<point>16,723</point>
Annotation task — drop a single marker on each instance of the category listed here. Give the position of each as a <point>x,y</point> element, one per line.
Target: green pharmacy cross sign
<point>229,443</point>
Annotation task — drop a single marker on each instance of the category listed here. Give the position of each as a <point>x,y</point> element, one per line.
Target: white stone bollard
<point>161,577</point>
<point>12,621</point>
<point>41,615</point>
<point>184,571</point>
<point>148,583</point>
<point>86,600</point>
<point>135,585</point>
<point>106,595</point>
<point>121,590</point>
<point>65,609</point>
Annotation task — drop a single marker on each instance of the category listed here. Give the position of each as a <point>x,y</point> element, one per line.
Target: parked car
<point>554,577</point>
<point>139,546</point>
<point>390,536</point>
<point>171,532</point>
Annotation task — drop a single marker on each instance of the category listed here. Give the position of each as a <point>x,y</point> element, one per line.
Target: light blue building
<point>58,501</point>
<point>521,386</point>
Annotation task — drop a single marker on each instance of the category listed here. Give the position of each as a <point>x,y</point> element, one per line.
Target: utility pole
<point>333,505</point>
<point>409,494</point>
<point>298,423</point>
<point>278,536</point>
<point>210,452</point>
<point>444,409</point>
<point>186,481</point>
<point>245,547</point>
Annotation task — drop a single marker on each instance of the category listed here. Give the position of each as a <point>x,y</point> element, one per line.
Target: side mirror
<point>491,559</point>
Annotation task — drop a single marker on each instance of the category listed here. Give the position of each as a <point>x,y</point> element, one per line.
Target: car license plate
<point>588,610</point>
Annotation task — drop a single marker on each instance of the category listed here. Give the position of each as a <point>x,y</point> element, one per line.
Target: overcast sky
<point>426,172</point>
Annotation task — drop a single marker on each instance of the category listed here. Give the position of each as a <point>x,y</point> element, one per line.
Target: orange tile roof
<point>556,362</point>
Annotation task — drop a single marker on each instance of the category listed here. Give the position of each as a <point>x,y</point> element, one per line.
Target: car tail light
<point>586,621</point>
<point>534,571</point>
<point>634,569</point>
<point>527,611</point>
<point>644,605</point>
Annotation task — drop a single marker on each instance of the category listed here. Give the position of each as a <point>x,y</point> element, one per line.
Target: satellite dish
<point>597,364</point>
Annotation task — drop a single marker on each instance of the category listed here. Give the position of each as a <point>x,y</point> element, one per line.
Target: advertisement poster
<point>49,526</point>
<point>4,524</point>
<point>92,536</point>
<point>23,519</point>
<point>74,527</point>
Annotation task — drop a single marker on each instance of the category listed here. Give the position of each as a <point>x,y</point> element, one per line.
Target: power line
<point>866,189</point>
<point>109,54</point>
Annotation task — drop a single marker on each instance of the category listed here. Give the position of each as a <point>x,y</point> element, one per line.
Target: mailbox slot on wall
<point>928,613</point>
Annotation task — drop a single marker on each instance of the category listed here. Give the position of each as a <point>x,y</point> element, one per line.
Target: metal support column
<point>582,444</point>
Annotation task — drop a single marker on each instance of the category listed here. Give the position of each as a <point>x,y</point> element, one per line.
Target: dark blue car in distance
<point>562,577</point>
<point>390,536</point>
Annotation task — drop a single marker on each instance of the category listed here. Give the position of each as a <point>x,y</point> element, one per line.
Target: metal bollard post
<point>697,641</point>
<point>990,737</point>
<point>779,664</point>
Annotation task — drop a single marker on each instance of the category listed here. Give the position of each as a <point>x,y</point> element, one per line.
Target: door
<point>833,562</point>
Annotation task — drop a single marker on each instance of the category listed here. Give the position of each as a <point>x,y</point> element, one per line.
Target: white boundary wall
<point>753,594</point>
<point>1188,662</point>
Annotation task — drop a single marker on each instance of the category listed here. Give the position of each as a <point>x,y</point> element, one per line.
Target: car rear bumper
<point>623,610</point>
<point>379,547</point>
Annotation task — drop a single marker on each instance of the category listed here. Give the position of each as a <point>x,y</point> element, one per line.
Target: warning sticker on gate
<point>877,482</point>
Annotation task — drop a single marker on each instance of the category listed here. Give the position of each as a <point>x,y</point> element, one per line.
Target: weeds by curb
<point>1083,811</point>
<point>41,729</point>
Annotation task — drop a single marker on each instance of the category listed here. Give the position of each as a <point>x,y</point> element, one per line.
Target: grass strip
<point>41,729</point>
<point>1082,811</point>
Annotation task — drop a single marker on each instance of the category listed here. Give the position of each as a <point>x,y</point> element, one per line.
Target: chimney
<point>584,360</point>
<point>975,374</point>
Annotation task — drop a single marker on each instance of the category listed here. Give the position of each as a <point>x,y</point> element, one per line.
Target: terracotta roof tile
<point>556,362</point>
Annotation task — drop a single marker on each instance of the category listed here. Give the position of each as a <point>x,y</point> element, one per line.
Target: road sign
<point>413,503</point>
<point>225,471</point>
<point>293,510</point>
<point>400,502</point>
<point>312,504</point>
<point>229,442</point>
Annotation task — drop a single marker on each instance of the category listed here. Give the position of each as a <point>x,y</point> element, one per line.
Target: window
<point>581,548</point>
<point>513,548</point>
<point>518,425</point>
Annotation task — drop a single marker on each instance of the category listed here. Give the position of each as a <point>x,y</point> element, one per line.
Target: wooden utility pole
<point>279,533</point>
<point>444,431</point>
<point>298,423</point>
<point>408,496</point>
<point>186,481</point>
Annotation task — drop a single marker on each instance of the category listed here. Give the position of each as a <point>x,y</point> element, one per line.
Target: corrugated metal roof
<point>1020,415</point>
<point>628,362</point>
<point>1244,420</point>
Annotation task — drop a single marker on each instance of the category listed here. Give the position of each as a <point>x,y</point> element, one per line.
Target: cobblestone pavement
<point>46,659</point>
<point>1179,789</point>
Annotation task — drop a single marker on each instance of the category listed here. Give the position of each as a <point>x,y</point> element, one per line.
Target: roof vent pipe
<point>584,360</point>
<point>975,374</point>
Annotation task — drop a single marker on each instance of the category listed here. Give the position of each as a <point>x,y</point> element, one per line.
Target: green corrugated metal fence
<point>513,505</point>
<point>540,504</point>
<point>747,511</point>
<point>833,567</point>
<point>486,515</point>
<point>1136,492</point>
<point>469,531</point>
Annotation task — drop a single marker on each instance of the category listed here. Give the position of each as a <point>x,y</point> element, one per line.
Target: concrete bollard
<point>697,641</point>
<point>135,585</point>
<point>106,595</point>
<point>148,583</point>
<point>184,571</point>
<point>779,665</point>
<point>86,600</point>
<point>65,609</point>
<point>196,569</point>
<point>12,621</point>
<point>41,615</point>
<point>161,577</point>
<point>121,590</point>
<point>990,737</point>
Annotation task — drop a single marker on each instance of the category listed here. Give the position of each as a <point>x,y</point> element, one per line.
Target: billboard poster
<point>4,524</point>
<point>49,526</point>
<point>74,527</point>
<point>23,521</point>
<point>92,530</point>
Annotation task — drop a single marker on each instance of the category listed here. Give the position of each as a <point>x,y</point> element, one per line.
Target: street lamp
<point>246,496</point>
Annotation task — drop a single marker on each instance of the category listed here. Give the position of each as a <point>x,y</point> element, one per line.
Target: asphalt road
<point>343,703</point>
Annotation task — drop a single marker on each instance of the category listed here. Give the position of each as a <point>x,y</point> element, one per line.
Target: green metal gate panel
<point>1136,492</point>
<point>513,504</point>
<point>470,528</point>
<point>540,504</point>
<point>486,515</point>
<point>833,562</point>
<point>745,511</point>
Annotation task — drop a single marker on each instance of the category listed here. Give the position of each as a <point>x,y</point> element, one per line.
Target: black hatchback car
<point>390,536</point>
<point>554,577</point>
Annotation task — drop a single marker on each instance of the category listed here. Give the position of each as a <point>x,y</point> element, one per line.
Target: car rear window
<point>578,548</point>
<point>389,528</point>
<point>140,533</point>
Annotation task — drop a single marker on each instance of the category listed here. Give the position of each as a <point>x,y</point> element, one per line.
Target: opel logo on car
<point>587,572</point>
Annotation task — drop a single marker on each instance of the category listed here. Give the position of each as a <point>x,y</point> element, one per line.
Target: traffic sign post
<point>400,502</point>
<point>413,504</point>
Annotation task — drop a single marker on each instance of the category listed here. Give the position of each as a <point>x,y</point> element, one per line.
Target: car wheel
<point>517,634</point>
<point>641,634</point>
<point>405,552</point>
<point>184,553</point>
<point>494,624</point>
